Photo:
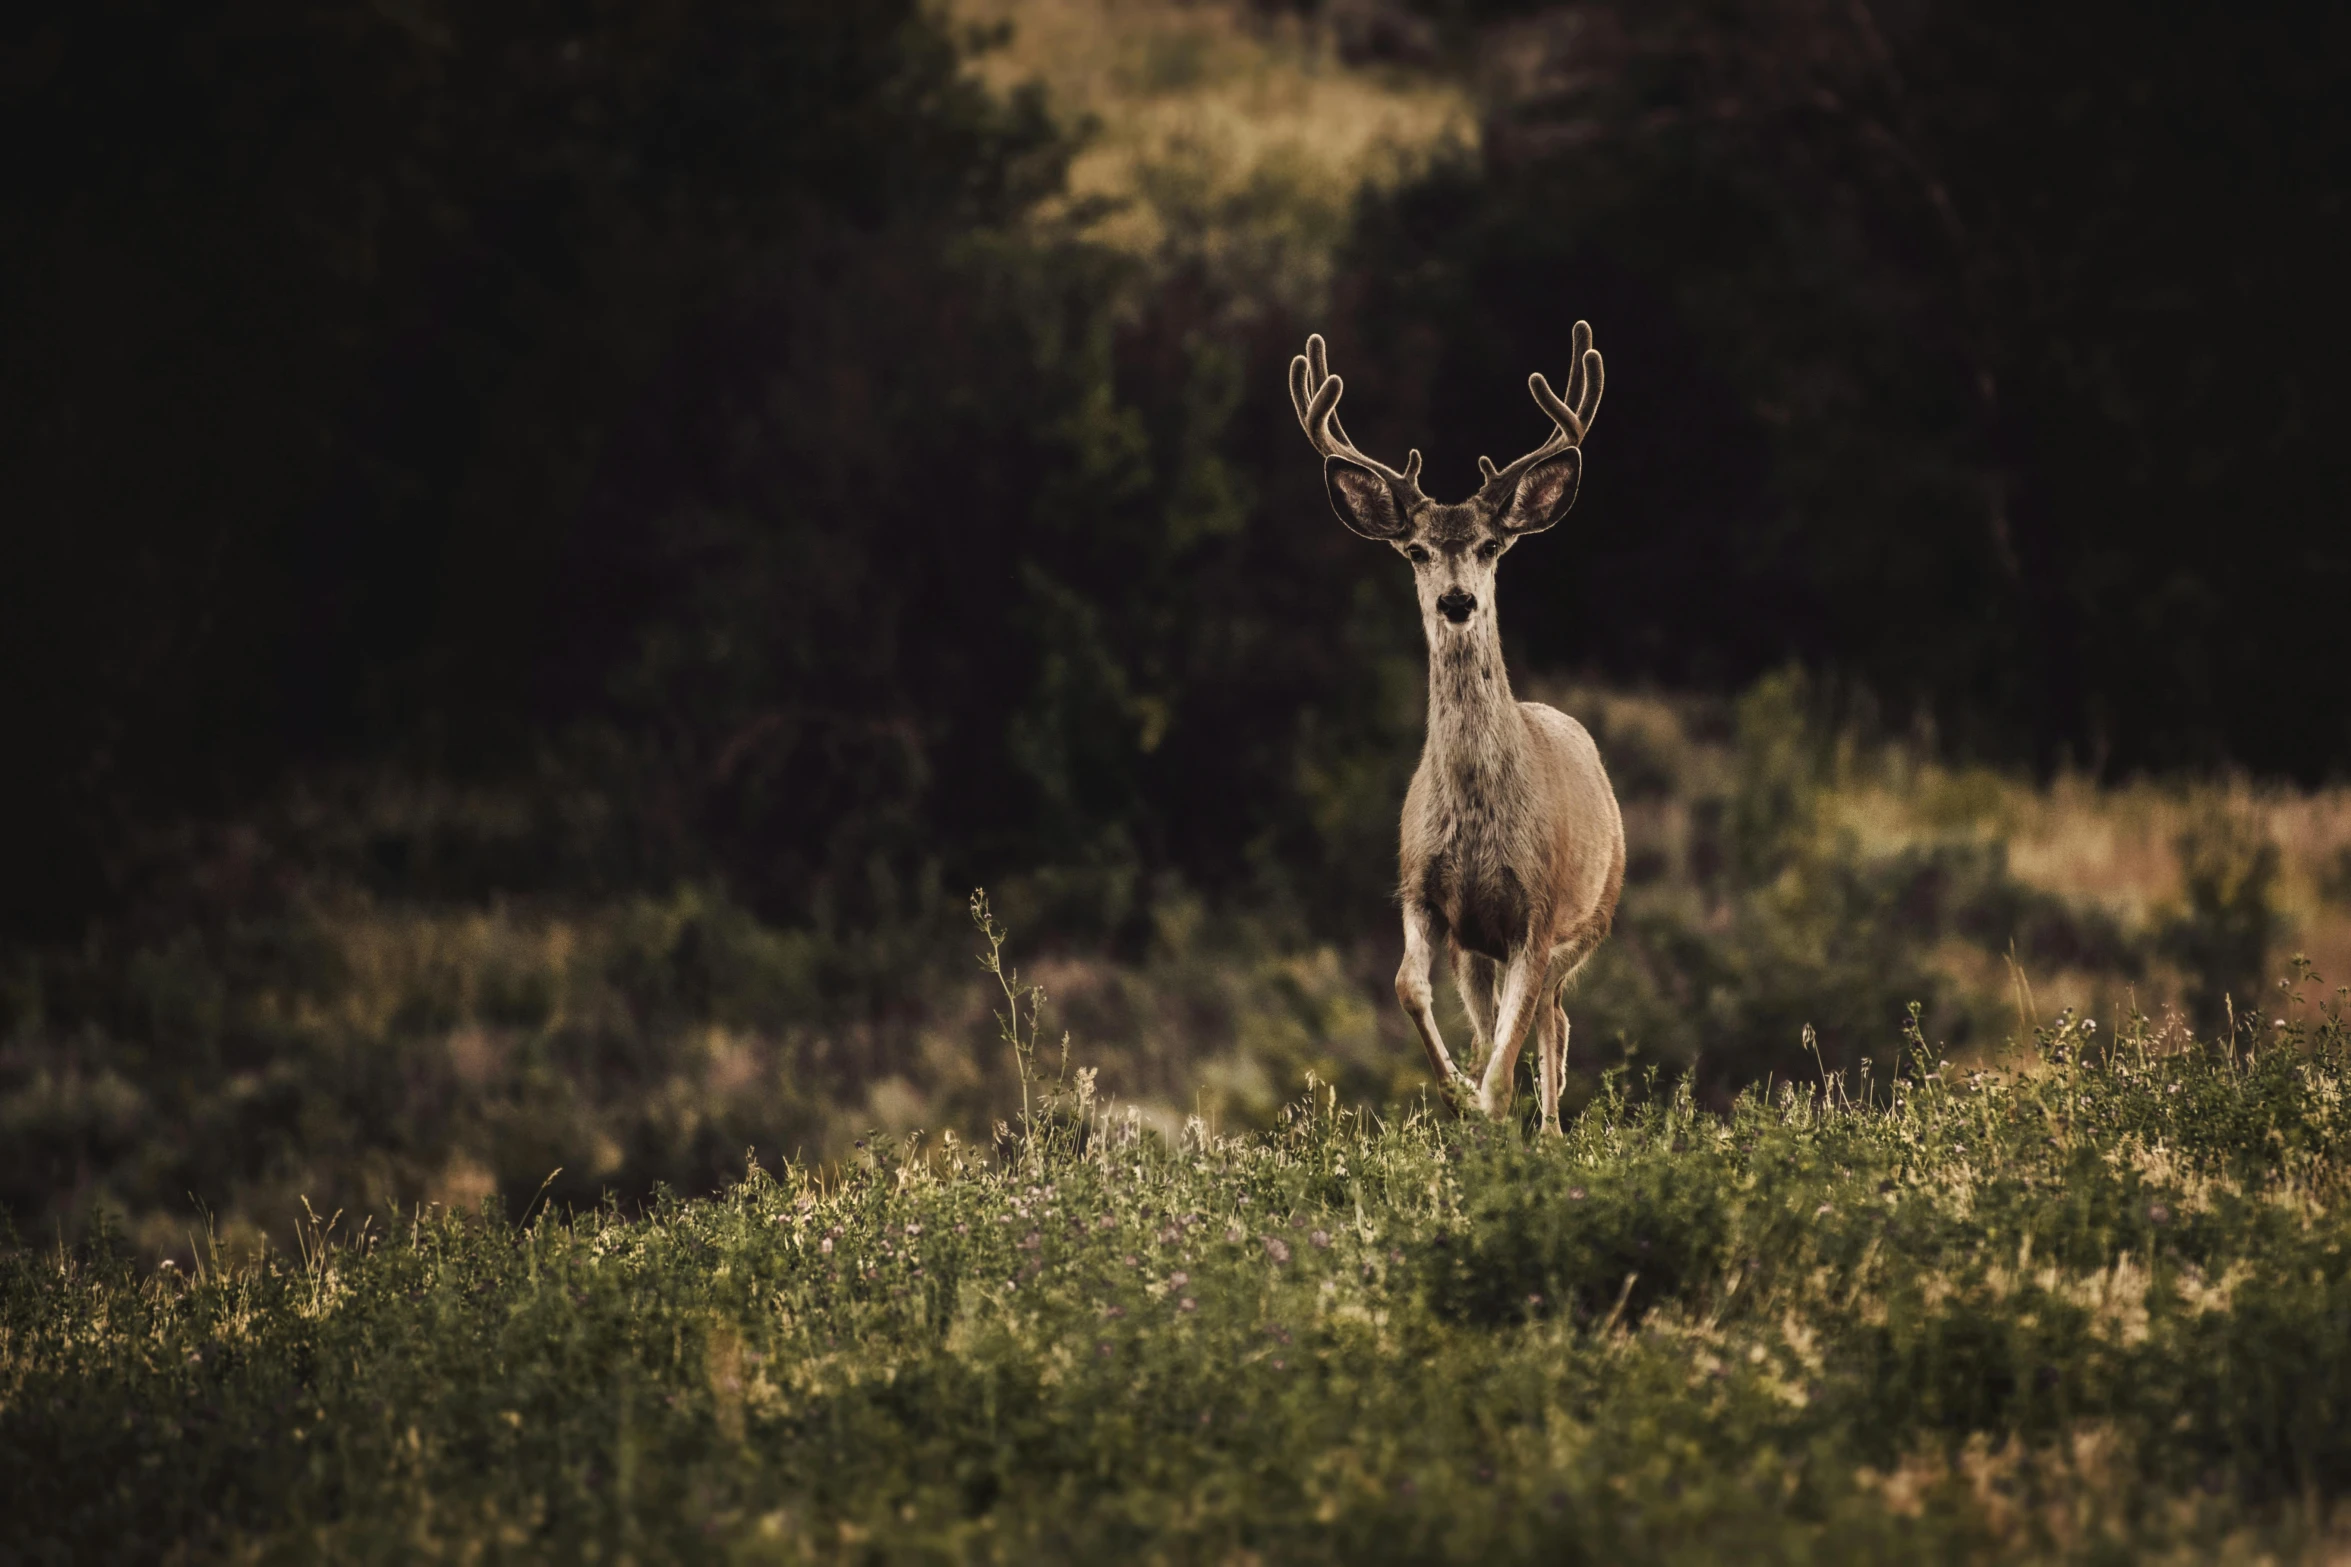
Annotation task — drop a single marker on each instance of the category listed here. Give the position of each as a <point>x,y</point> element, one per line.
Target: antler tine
<point>1571,415</point>
<point>1315,393</point>
<point>1302,388</point>
<point>1318,366</point>
<point>1583,372</point>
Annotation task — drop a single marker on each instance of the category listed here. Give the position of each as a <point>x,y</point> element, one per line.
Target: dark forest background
<point>658,501</point>
<point>674,402</point>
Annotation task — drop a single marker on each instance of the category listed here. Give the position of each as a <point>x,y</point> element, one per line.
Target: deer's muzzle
<point>1456,605</point>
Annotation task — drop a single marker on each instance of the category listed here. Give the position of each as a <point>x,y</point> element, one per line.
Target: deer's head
<point>1453,549</point>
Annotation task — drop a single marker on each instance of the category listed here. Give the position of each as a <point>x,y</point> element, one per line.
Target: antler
<point>1572,415</point>
<point>1314,392</point>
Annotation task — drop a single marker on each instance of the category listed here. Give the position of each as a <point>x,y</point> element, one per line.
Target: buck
<point>1513,847</point>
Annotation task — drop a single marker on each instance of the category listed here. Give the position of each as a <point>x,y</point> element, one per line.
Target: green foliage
<point>2086,1306</point>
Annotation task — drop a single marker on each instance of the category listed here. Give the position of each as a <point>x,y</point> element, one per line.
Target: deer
<point>1512,844</point>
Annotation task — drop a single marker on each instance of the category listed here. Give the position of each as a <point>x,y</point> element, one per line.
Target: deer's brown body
<point>1512,845</point>
<point>1513,850</point>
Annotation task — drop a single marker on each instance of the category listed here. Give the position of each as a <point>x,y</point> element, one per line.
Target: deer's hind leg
<point>1551,1023</point>
<point>1550,1064</point>
<point>1479,979</point>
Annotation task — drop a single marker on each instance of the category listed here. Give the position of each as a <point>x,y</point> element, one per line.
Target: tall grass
<point>2083,1303</point>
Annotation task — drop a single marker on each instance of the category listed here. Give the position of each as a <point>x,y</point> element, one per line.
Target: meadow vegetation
<point>1795,885</point>
<point>2083,1302</point>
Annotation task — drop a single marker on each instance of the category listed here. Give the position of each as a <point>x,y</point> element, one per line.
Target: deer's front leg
<point>1475,976</point>
<point>1522,984</point>
<point>1419,998</point>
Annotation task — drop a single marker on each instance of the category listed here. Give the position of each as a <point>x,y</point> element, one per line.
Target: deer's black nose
<point>1456,605</point>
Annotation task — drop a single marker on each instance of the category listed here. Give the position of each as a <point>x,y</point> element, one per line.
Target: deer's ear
<point>1545,492</point>
<point>1364,500</point>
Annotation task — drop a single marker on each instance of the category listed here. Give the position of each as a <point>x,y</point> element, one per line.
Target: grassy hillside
<point>2086,1303</point>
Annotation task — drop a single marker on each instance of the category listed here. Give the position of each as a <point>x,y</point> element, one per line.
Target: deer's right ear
<point>1364,500</point>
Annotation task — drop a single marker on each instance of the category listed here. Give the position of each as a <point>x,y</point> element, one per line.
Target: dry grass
<point>2114,851</point>
<point>2118,849</point>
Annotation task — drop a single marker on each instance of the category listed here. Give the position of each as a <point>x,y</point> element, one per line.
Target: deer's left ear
<point>1545,492</point>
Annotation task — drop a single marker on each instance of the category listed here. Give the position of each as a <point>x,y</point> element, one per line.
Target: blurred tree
<point>1982,351</point>
<point>321,323</point>
<point>682,398</point>
<point>683,409</point>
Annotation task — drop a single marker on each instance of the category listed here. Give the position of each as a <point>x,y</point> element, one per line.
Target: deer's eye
<point>1489,549</point>
<point>1417,555</point>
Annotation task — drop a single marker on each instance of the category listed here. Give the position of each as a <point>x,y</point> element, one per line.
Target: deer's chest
<point>1471,877</point>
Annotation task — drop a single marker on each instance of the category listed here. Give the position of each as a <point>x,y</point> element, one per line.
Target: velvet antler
<point>1315,393</point>
<point>1571,418</point>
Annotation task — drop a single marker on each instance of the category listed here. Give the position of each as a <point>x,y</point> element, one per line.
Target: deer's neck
<point>1476,739</point>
